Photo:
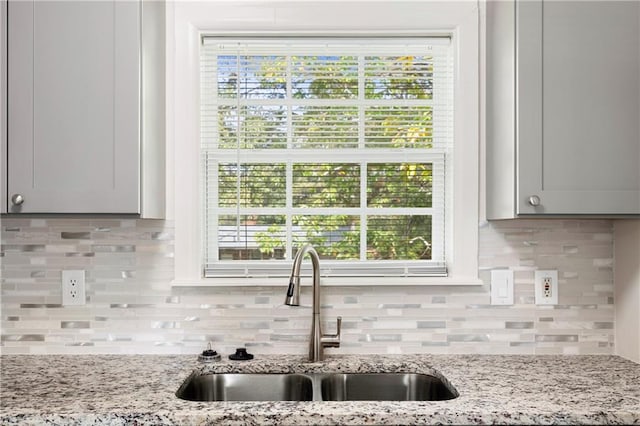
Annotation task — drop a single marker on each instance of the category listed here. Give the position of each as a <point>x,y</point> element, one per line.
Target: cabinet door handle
<point>534,200</point>
<point>17,199</point>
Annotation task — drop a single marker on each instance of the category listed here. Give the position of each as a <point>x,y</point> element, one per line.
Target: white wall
<point>627,288</point>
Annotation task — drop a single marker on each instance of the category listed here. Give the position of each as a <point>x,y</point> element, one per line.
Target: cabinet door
<point>578,107</point>
<point>74,106</point>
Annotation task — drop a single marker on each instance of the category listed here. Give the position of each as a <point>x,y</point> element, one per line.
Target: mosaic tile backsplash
<point>132,308</point>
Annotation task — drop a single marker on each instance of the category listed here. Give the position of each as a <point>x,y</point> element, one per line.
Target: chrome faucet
<point>318,340</point>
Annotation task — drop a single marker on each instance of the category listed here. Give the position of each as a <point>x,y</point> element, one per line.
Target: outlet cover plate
<point>73,288</point>
<point>546,287</point>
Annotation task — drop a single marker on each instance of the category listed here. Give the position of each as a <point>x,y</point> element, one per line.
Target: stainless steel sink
<point>385,387</point>
<point>246,387</point>
<point>315,387</point>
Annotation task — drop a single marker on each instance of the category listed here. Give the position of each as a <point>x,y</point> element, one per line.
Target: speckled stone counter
<point>112,389</point>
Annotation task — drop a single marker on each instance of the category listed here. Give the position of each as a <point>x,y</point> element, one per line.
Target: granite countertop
<point>140,389</point>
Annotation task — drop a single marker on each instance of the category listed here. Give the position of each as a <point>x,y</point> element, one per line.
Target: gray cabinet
<point>563,108</point>
<point>75,122</point>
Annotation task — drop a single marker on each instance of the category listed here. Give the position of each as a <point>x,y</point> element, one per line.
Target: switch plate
<point>502,287</point>
<point>546,290</point>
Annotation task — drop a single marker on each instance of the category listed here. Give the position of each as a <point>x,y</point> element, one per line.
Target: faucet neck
<point>295,273</point>
<point>318,341</point>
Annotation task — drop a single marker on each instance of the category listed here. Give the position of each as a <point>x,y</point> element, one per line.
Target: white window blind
<point>341,143</point>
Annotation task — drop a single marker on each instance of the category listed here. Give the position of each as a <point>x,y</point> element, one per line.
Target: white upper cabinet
<point>75,123</point>
<point>563,108</point>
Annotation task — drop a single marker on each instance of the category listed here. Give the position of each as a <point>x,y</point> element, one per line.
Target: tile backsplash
<point>132,307</point>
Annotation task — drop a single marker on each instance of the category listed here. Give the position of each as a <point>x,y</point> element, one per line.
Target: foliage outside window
<point>341,143</point>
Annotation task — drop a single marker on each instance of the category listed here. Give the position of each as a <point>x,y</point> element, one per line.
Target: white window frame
<point>189,20</point>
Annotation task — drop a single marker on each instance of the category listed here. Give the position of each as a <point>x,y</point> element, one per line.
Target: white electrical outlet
<point>546,290</point>
<point>73,292</point>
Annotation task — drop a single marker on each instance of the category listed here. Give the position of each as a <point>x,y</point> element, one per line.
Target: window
<point>258,32</point>
<point>339,142</point>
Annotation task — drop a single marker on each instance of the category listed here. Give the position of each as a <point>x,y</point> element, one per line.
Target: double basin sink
<point>315,387</point>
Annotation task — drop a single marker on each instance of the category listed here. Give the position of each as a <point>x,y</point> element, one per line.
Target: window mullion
<point>363,164</point>
<point>363,214</point>
<point>361,99</point>
<point>289,211</point>
<point>289,167</point>
<point>238,145</point>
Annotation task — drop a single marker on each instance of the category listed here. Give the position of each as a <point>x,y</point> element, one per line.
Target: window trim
<point>190,20</point>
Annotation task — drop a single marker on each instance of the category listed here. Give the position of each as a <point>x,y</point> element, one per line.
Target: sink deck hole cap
<point>241,355</point>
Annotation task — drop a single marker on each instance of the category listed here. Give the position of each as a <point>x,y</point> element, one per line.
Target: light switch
<point>502,287</point>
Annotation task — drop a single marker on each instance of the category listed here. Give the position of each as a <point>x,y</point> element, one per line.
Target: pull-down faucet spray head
<point>293,292</point>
